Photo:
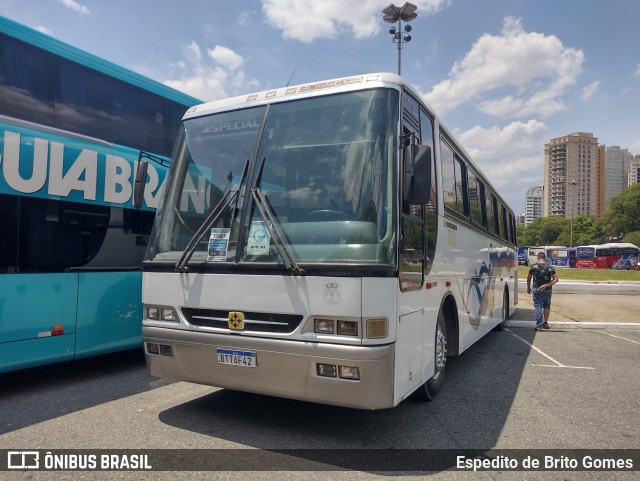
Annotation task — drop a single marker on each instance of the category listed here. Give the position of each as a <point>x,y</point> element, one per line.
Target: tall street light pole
<point>393,14</point>
<point>573,195</point>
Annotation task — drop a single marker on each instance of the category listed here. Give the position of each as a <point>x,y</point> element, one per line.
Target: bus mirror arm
<point>140,181</point>
<point>141,174</point>
<point>417,174</point>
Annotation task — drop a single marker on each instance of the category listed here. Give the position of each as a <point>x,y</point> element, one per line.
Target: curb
<point>589,288</point>
<point>577,325</point>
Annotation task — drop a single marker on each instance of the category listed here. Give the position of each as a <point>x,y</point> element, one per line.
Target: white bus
<point>546,250</point>
<point>328,242</point>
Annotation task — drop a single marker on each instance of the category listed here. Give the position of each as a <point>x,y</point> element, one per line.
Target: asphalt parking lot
<point>560,389</point>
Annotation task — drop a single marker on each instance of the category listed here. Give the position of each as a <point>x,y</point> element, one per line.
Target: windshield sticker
<point>259,239</point>
<point>218,244</point>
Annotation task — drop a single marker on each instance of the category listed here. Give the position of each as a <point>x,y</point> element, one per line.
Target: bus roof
<point>50,44</point>
<point>344,84</point>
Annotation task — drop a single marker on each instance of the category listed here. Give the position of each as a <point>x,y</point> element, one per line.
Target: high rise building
<point>570,175</point>
<point>533,201</point>
<point>616,171</point>
<point>600,186</point>
<point>633,175</point>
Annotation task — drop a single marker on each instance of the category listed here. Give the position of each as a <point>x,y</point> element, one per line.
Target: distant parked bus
<point>535,250</point>
<point>561,256</point>
<point>523,256</point>
<point>71,128</point>
<point>605,256</point>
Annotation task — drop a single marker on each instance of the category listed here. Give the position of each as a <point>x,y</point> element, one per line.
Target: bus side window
<point>59,235</point>
<point>9,212</point>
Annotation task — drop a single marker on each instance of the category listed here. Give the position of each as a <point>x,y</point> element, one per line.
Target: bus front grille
<point>253,321</point>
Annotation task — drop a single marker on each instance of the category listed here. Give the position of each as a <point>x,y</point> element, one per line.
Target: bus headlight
<point>324,326</point>
<point>161,313</point>
<point>348,328</point>
<point>376,328</point>
<point>168,314</point>
<point>347,372</point>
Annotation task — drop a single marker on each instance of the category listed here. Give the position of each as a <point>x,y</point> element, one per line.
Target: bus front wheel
<point>431,388</point>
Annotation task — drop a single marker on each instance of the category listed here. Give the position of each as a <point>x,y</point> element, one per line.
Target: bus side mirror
<point>140,182</point>
<point>417,174</point>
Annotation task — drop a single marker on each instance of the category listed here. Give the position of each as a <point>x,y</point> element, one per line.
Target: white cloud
<point>309,21</point>
<point>511,157</point>
<point>226,57</point>
<point>75,6</point>
<point>537,68</point>
<point>44,30</point>
<point>589,91</point>
<point>194,52</point>
<point>215,76</point>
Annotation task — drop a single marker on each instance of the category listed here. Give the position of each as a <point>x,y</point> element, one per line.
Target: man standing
<point>544,277</point>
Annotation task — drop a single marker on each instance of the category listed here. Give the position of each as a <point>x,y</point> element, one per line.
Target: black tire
<point>505,312</point>
<point>429,390</point>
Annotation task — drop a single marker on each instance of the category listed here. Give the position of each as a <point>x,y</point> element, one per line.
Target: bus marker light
<point>348,328</point>
<point>153,348</point>
<point>448,283</point>
<point>431,285</point>
<point>324,326</point>
<point>326,370</point>
<point>376,328</point>
<point>347,372</point>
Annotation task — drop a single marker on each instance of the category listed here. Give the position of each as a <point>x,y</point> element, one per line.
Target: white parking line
<point>539,351</point>
<point>618,337</point>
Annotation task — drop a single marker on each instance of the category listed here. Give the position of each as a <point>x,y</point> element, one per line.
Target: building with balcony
<point>570,175</point>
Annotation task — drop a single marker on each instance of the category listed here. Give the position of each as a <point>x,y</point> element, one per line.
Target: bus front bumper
<point>284,368</point>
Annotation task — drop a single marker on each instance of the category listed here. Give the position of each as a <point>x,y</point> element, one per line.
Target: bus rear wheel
<point>505,311</point>
<point>429,390</point>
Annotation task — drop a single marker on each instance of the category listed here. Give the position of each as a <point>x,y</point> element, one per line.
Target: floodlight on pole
<point>393,14</point>
<point>573,195</point>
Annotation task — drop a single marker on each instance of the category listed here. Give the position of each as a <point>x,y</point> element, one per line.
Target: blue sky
<point>505,75</point>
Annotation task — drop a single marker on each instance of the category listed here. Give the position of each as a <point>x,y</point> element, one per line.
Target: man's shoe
<point>538,328</point>
<point>546,326</point>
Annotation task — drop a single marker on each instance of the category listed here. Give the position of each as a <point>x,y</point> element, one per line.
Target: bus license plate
<point>236,358</point>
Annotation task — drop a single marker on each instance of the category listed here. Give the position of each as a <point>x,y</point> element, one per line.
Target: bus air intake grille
<point>253,321</point>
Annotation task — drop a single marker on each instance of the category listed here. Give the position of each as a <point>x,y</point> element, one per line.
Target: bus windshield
<point>322,166</point>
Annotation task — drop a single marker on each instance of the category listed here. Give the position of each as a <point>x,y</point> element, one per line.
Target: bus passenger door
<point>37,301</point>
<point>110,286</point>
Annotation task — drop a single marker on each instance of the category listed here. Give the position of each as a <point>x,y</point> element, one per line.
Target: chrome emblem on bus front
<point>236,321</point>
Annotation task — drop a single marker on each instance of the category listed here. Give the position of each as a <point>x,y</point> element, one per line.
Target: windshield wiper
<point>290,263</point>
<point>271,225</point>
<point>227,197</point>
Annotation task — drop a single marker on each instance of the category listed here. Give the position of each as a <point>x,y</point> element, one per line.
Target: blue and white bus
<point>560,256</point>
<point>71,128</point>
<point>339,245</point>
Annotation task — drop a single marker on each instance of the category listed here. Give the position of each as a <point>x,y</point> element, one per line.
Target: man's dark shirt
<point>542,274</point>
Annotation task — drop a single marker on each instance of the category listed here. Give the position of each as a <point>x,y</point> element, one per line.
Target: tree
<point>633,238</point>
<point>544,231</point>
<point>582,232</point>
<point>623,215</point>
